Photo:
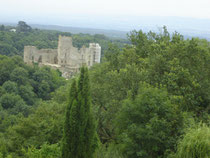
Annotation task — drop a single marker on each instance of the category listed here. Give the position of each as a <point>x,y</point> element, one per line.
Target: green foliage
<point>60,95</point>
<point>5,68</point>
<point>43,126</point>
<point>79,138</point>
<point>70,134</point>
<point>148,125</point>
<point>7,49</point>
<point>144,97</point>
<point>29,82</point>
<point>26,92</point>
<point>8,101</point>
<point>10,87</point>
<point>110,150</point>
<point>164,61</point>
<point>23,27</point>
<point>46,81</point>
<point>195,143</point>
<point>21,122</point>
<point>46,151</point>
<point>2,27</point>
<point>19,75</point>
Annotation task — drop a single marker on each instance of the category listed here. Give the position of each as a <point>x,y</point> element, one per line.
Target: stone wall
<point>32,54</point>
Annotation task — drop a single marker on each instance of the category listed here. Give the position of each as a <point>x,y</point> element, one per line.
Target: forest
<point>149,98</point>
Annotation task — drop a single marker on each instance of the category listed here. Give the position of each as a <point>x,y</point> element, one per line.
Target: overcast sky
<point>183,8</point>
<point>108,14</point>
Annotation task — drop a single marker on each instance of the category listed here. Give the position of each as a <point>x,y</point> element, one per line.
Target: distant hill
<point>188,33</point>
<point>118,27</point>
<point>76,30</point>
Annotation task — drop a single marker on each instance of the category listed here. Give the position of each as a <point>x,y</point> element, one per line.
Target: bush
<point>195,144</point>
<point>46,151</point>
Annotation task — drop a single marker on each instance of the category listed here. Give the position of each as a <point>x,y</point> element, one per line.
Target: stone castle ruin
<point>67,58</point>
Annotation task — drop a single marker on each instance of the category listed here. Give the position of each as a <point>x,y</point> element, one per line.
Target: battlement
<point>67,58</point>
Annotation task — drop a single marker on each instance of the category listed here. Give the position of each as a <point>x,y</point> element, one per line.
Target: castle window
<point>32,58</point>
<point>94,57</point>
<point>89,60</point>
<point>40,59</point>
<point>56,60</point>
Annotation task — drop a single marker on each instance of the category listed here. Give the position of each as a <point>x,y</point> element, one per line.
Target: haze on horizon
<point>109,14</point>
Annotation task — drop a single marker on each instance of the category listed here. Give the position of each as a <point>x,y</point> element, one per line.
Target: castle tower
<point>64,48</point>
<point>96,53</point>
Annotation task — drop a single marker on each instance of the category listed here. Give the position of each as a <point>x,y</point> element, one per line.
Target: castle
<point>67,58</point>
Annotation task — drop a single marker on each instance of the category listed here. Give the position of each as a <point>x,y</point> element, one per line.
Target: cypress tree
<point>66,142</point>
<point>79,139</point>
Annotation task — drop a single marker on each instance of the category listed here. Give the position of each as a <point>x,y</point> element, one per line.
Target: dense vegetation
<point>22,89</point>
<point>150,99</point>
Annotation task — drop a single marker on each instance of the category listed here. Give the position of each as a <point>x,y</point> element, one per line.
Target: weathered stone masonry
<point>67,58</point>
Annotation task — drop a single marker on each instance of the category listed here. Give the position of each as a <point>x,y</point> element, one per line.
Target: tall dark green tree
<point>2,28</point>
<point>23,27</point>
<point>68,135</point>
<point>79,138</point>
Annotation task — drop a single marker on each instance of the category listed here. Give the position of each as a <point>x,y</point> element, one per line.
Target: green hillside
<point>149,98</point>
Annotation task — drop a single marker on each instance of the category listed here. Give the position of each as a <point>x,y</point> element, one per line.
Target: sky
<point>183,8</point>
<point>92,12</point>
